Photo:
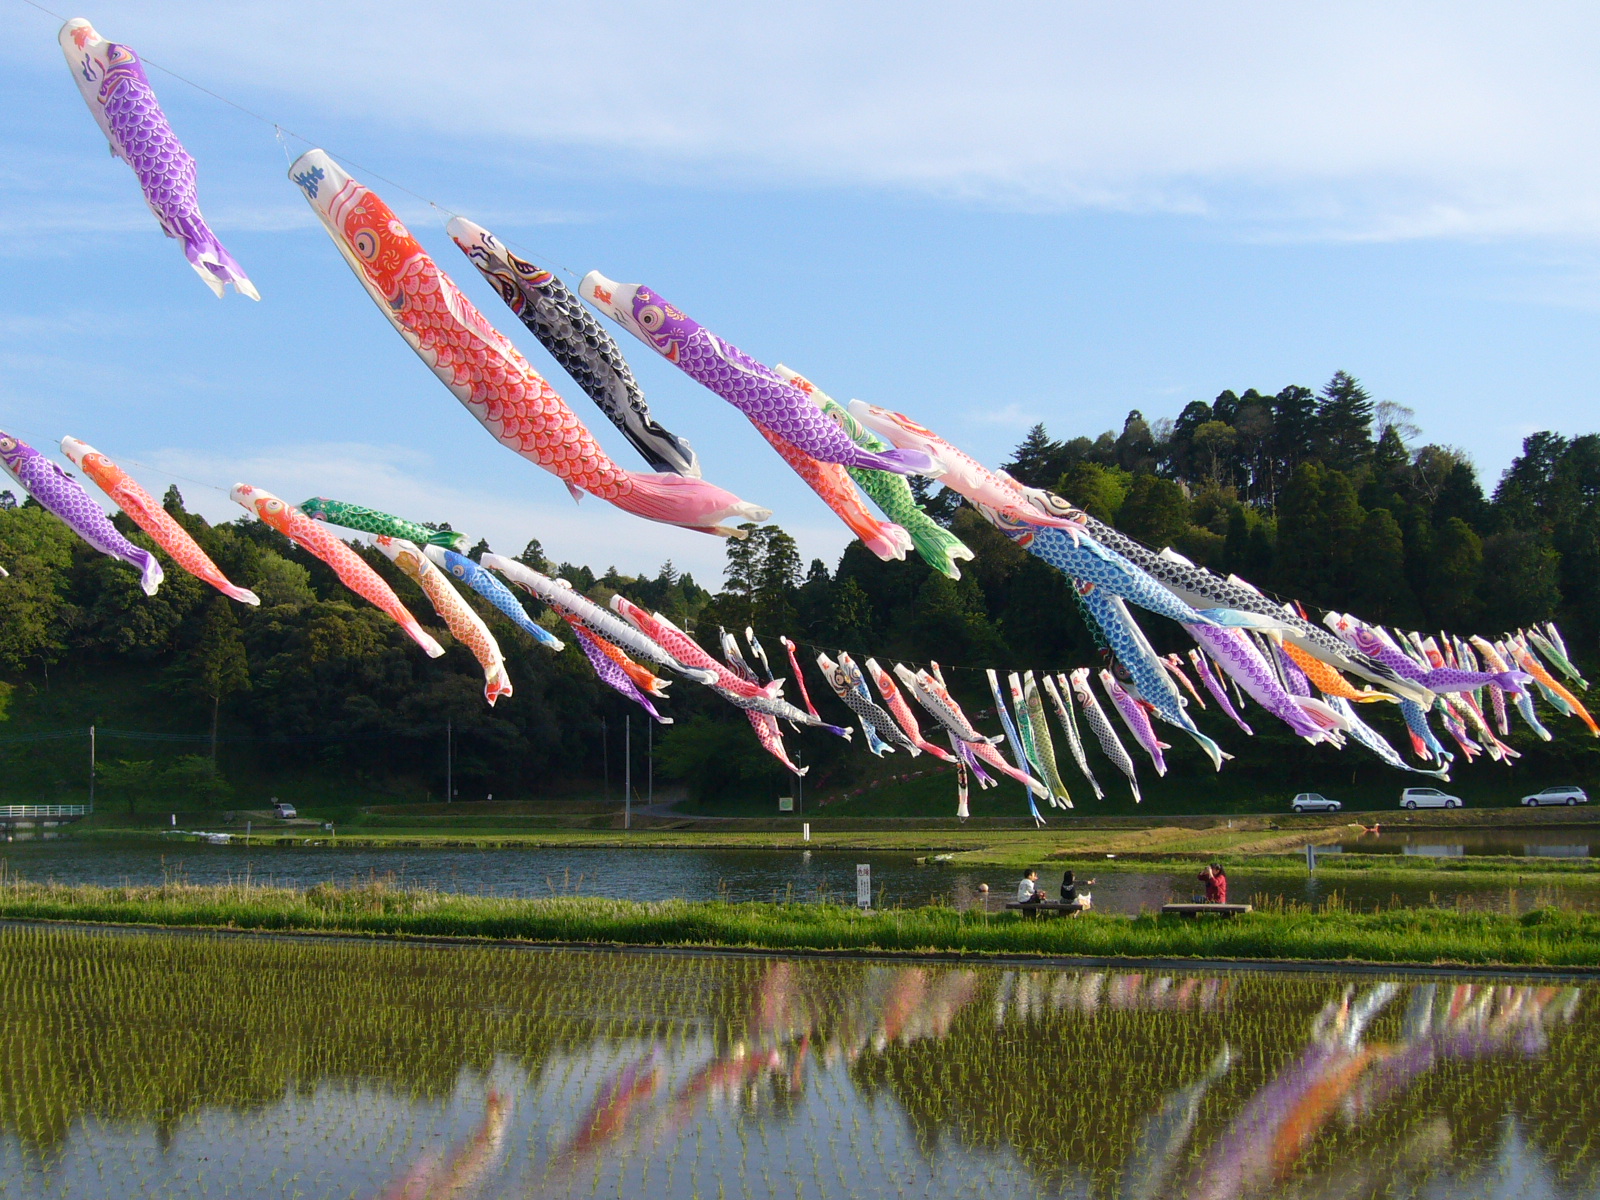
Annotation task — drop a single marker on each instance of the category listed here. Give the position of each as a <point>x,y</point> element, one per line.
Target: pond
<point>190,1065</point>
<point>1540,841</point>
<point>707,874</point>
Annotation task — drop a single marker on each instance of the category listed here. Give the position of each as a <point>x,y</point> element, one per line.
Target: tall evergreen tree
<point>1344,424</point>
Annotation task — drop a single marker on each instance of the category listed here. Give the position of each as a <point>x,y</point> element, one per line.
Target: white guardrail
<point>43,810</point>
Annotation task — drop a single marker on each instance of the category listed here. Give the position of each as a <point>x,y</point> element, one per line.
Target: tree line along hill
<point>1323,497</point>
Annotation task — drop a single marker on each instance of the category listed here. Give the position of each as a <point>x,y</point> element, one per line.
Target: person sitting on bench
<point>1069,892</point>
<point>1029,891</point>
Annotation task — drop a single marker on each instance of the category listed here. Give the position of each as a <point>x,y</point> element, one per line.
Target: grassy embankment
<point>1427,936</point>
<point>1260,846</point>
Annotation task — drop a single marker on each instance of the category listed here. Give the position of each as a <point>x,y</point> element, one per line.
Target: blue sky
<point>1075,212</point>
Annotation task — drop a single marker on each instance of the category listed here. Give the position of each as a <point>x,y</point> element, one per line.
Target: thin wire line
<point>282,129</point>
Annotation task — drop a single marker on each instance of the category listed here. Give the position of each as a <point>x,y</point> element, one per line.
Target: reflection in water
<point>153,1064</point>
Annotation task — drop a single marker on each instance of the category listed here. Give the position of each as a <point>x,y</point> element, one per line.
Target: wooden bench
<point>1045,906</point>
<point>1201,910</point>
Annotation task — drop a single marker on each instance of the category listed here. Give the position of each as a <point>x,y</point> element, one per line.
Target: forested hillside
<point>1321,497</point>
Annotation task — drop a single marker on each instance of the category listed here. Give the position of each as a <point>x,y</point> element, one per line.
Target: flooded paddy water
<point>191,1065</point>
<point>657,874</point>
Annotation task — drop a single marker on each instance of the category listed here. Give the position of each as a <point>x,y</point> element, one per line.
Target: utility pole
<point>799,786</point>
<point>627,771</point>
<point>605,756</point>
<point>91,770</point>
<point>650,760</point>
<point>449,762</point>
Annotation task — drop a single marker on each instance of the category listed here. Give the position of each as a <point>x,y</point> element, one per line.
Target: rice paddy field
<point>197,1064</point>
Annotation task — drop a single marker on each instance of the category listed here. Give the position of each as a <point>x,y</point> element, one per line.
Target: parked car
<point>1428,798</point>
<point>1557,795</point>
<point>1314,802</point>
<point>283,810</point>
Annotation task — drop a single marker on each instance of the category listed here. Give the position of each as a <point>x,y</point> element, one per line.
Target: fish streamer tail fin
<point>150,572</point>
<point>682,500</point>
<point>243,595</point>
<point>495,685</point>
<point>210,258</point>
<point>422,637</point>
<point>898,462</point>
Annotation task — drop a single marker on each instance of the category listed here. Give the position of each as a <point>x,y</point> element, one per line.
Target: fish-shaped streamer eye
<point>377,522</point>
<point>578,342</point>
<point>349,566</point>
<point>119,95</point>
<point>483,369</point>
<point>152,518</point>
<point>64,496</point>
<point>465,626</point>
<point>939,548</point>
<point>753,388</point>
<point>459,566</point>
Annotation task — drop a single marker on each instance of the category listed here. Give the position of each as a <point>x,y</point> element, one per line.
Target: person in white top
<point>1028,891</point>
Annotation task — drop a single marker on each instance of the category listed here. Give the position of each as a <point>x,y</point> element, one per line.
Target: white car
<point>1557,795</point>
<point>283,810</point>
<point>1428,798</point>
<point>1314,802</point>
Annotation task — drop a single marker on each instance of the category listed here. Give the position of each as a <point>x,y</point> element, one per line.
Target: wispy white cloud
<point>1007,416</point>
<point>1365,120</point>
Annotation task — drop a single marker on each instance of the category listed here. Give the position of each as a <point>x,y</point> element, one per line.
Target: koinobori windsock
<point>482,368</point>
<point>349,566</point>
<point>64,496</point>
<point>939,548</point>
<point>578,342</point>
<point>482,581</point>
<point>119,95</point>
<point>465,626</point>
<point>378,523</point>
<point>149,516</point>
<point>750,386</point>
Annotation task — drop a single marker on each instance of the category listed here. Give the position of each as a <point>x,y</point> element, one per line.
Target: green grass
<point>1544,937</point>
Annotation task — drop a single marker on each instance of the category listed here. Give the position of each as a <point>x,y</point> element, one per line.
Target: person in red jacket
<point>1216,884</point>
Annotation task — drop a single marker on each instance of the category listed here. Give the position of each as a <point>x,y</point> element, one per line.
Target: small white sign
<point>785,803</point>
<point>864,885</point>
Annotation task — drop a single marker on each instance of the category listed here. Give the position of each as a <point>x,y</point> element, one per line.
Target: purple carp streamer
<point>118,94</point>
<point>64,496</point>
<point>755,389</point>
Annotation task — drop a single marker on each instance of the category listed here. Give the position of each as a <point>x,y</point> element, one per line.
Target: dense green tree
<point>1344,424</point>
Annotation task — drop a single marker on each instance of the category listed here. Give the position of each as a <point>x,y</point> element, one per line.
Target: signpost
<point>1311,857</point>
<point>864,885</point>
<point>785,803</point>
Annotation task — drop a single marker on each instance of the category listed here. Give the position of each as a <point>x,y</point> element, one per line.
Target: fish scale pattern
<point>64,496</point>
<point>564,327</point>
<point>459,566</point>
<point>141,506</point>
<point>164,167</point>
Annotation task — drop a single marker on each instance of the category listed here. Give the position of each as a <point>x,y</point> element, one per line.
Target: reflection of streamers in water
<point>615,1103</point>
<point>1338,1072</point>
<point>1167,1132</point>
<point>436,1178</point>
